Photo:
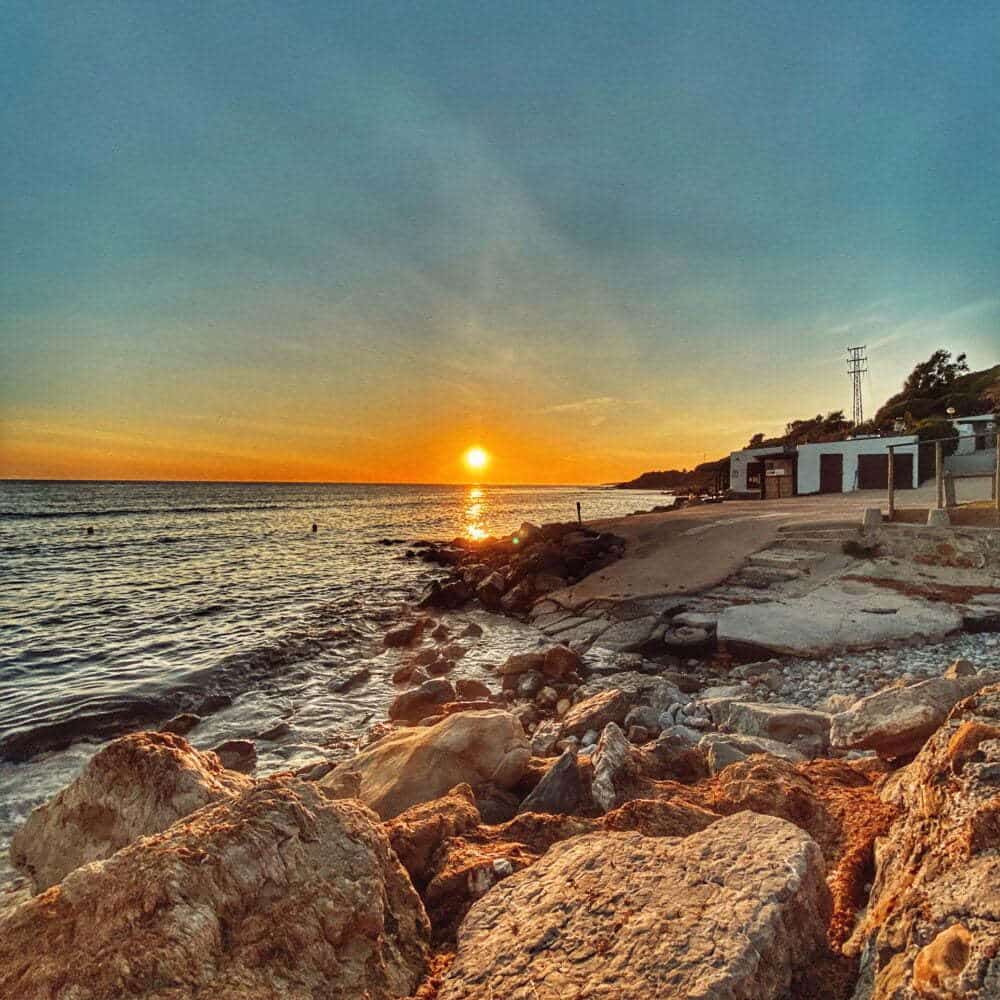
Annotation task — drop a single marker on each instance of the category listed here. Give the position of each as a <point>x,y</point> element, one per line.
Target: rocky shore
<point>638,805</point>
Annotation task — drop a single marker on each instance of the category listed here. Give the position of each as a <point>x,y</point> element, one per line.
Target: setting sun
<point>476,459</point>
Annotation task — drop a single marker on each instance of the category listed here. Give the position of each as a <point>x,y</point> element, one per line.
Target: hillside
<point>935,385</point>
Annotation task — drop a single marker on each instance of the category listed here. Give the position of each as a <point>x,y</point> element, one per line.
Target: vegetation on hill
<point>921,407</point>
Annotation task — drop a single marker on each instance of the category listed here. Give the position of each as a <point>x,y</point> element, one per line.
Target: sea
<point>252,604</point>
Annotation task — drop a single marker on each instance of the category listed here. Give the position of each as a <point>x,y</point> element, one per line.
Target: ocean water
<point>122,604</point>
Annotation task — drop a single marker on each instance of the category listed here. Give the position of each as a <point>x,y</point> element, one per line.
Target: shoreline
<point>614,702</point>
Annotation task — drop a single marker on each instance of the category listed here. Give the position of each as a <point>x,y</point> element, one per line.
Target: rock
<point>315,770</point>
<point>697,619</point>
<point>410,766</point>
<point>678,756</point>
<point>806,730</point>
<point>470,690</point>
<point>684,639</point>
<point>960,668</point>
<point>136,785</point>
<point>441,632</point>
<point>181,725</point>
<point>639,689</point>
<point>440,667</point>
<point>645,717</point>
<point>454,651</point>
<point>276,732</point>
<point>237,755</point>
<point>544,738</point>
<point>490,591</point>
<point>425,657</point>
<point>833,617</point>
<point>411,706</point>
<point>734,743</point>
<point>561,789</point>
<point>896,721</point>
<point>747,911</point>
<point>448,596</point>
<point>496,805</point>
<point>529,684</point>
<point>417,833</point>
<point>628,636</point>
<point>615,773</point>
<point>563,705</point>
<point>275,893</point>
<point>351,680</point>
<point>471,631</point>
<point>560,661</point>
<point>521,663</point>
<point>547,698</point>
<point>933,923</point>
<point>596,712</point>
<point>518,600</point>
<point>404,635</point>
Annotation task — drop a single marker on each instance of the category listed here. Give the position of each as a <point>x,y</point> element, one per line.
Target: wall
<point>738,462</point>
<point>979,463</point>
<point>809,459</point>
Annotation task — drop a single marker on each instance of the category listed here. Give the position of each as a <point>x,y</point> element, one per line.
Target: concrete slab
<point>840,615</point>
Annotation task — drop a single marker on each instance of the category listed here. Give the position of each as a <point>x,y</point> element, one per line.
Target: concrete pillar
<point>938,518</point>
<point>871,518</point>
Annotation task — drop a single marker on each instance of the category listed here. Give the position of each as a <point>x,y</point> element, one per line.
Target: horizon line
<point>294,482</point>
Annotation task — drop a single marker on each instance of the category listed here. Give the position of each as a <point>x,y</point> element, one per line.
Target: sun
<point>476,459</point>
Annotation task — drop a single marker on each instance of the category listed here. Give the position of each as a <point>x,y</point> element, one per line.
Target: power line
<point>857,365</point>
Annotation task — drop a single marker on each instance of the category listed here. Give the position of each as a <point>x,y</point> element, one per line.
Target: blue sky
<point>315,240</point>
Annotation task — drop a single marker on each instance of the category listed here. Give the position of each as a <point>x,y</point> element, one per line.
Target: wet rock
<point>748,907</point>
<point>596,712</point>
<point>181,725</point>
<point>404,635</point>
<point>352,680</point>
<point>276,732</point>
<point>454,651</point>
<point>315,770</point>
<point>616,774</point>
<point>933,923</point>
<point>237,755</point>
<point>136,785</point>
<point>415,765</point>
<point>471,631</point>
<point>561,789</point>
<point>440,666</point>
<point>490,591</point>
<point>413,705</point>
<point>519,599</point>
<point>447,596</point>
<point>233,901</point>
<point>471,690</point>
<point>425,657</point>
<point>896,721</point>
<point>441,632</point>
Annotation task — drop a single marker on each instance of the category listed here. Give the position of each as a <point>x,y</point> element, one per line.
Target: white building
<point>827,467</point>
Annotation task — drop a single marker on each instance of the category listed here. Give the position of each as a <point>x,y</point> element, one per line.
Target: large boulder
<point>276,893</point>
<point>136,785</point>
<point>933,924</point>
<point>734,911</point>
<point>409,766</point>
<point>896,721</point>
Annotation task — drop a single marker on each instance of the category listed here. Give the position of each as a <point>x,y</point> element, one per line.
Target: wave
<point>21,515</point>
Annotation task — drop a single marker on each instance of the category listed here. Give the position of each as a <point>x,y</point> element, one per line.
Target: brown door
<point>873,472</point>
<point>902,467</point>
<point>831,473</point>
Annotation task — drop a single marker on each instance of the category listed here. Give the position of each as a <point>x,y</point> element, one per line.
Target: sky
<point>346,241</point>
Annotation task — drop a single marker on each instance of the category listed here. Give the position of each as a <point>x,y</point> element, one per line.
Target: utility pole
<point>857,365</point>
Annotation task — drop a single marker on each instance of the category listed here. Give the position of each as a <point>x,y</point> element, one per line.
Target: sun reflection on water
<point>474,513</point>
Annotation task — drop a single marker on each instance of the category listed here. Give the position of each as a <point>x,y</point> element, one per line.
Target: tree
<point>936,374</point>
<point>756,441</point>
